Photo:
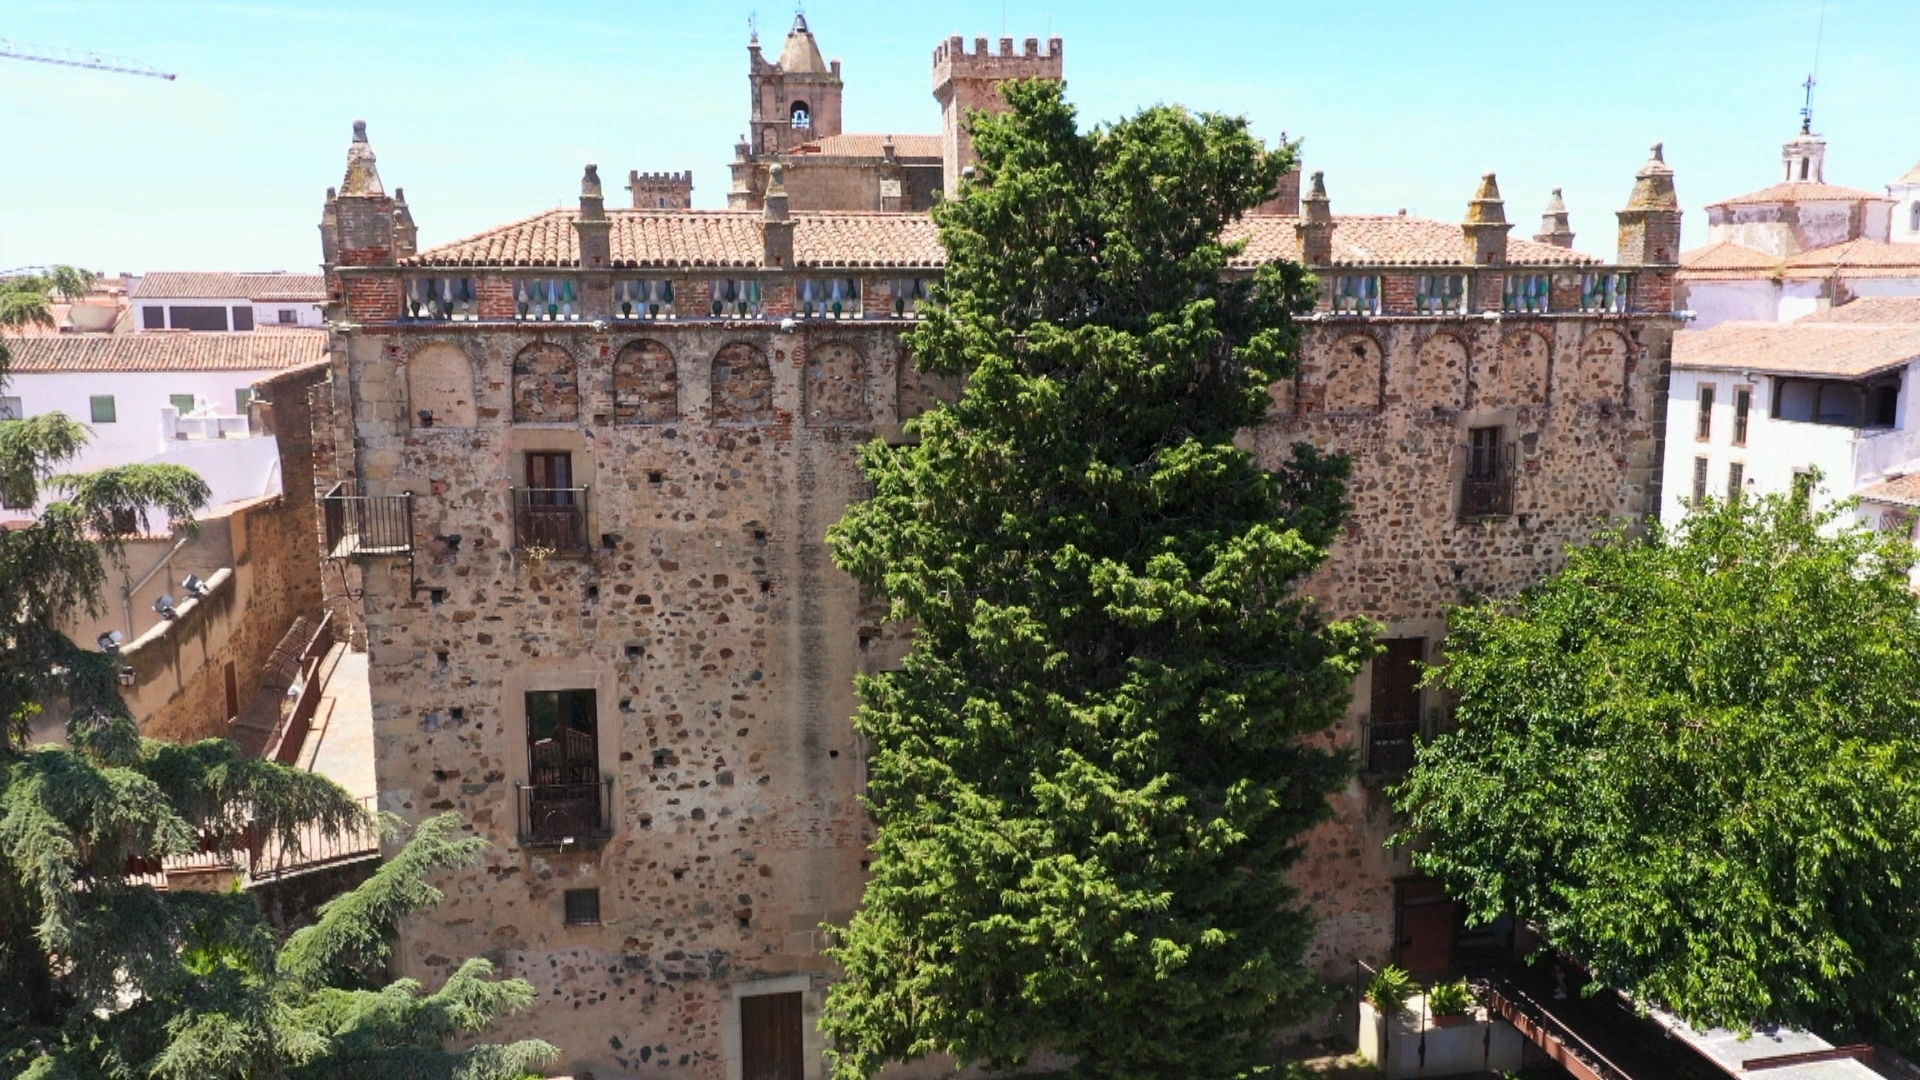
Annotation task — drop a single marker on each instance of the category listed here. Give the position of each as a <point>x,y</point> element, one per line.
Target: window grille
<point>1703,422</point>
<point>909,296</point>
<point>643,298</point>
<point>737,298</point>
<point>1603,292</point>
<point>583,907</point>
<point>1736,478</point>
<point>1742,408</point>
<point>1526,293</point>
<point>442,298</point>
<point>1487,489</point>
<point>1440,294</point>
<point>1700,466</point>
<point>546,300</point>
<point>1356,294</point>
<point>827,298</point>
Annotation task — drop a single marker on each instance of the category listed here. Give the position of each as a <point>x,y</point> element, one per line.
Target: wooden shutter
<point>1396,681</point>
<point>770,1037</point>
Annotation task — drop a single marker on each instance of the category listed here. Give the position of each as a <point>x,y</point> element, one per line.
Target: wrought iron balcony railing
<point>557,813</point>
<point>554,518</point>
<point>366,524</point>
<point>1487,490</point>
<point>1387,746</point>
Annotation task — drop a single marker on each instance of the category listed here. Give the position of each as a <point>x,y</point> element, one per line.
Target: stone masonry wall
<point>721,642</point>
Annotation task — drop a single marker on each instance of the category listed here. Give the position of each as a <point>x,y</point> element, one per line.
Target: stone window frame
<point>1703,401</point>
<point>1507,419</point>
<point>813,1041</point>
<point>541,674</point>
<point>526,439</point>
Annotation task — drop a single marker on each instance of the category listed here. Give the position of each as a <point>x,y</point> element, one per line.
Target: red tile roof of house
<point>1880,310</point>
<point>161,350</point>
<point>732,238</point>
<point>872,146</point>
<point>1901,490</point>
<point>189,285</point>
<point>1801,191</point>
<point>1854,258</point>
<point>1798,348</point>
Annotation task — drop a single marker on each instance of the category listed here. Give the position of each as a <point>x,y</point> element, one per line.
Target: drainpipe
<point>126,594</point>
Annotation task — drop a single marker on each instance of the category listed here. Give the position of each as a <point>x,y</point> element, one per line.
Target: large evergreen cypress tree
<point>1089,775</point>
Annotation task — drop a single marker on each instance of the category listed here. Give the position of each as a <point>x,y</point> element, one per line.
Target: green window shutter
<point>183,402</point>
<point>242,398</point>
<point>102,406</point>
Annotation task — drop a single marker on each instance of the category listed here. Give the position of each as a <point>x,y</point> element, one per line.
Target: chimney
<point>1315,227</point>
<point>1650,224</point>
<point>1555,229</point>
<point>592,228</point>
<point>1486,226</point>
<point>776,228</point>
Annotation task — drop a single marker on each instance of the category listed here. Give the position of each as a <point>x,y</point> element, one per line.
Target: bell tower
<point>796,99</point>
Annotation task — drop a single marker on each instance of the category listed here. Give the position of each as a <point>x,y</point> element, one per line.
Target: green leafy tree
<point>1089,777</point>
<point>1693,759</point>
<point>102,975</point>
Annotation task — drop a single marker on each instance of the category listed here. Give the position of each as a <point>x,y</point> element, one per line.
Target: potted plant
<point>1390,989</point>
<point>1450,1004</point>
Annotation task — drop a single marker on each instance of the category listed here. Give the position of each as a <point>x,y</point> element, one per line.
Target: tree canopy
<point>1693,759</point>
<point>1088,775</point>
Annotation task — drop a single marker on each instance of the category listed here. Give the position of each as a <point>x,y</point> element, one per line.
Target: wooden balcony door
<point>770,1038</point>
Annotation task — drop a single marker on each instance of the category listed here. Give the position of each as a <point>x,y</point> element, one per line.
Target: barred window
<point>1736,480</point>
<point>582,907</point>
<point>1700,466</point>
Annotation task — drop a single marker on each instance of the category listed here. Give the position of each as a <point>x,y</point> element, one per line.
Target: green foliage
<point>1450,999</point>
<point>1390,988</point>
<point>1088,777</point>
<point>27,299</point>
<point>1691,759</point>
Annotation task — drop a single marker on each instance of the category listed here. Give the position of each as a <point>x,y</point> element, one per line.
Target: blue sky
<point>485,111</point>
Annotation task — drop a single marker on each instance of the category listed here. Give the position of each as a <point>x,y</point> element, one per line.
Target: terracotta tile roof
<point>729,238</point>
<point>869,146</point>
<point>1801,191</point>
<point>167,351</point>
<point>1912,176</point>
<point>1727,255</point>
<point>1387,240</point>
<point>1902,490</point>
<point>173,285</point>
<point>1798,348</point>
<point>716,238</point>
<point>1857,253</point>
<point>1879,310</point>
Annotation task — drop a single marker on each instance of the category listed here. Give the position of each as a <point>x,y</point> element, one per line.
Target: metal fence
<point>554,518</point>
<point>555,813</point>
<point>366,524</point>
<point>1487,490</point>
<point>263,858</point>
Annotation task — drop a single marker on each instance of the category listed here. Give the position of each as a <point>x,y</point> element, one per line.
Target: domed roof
<point>801,54</point>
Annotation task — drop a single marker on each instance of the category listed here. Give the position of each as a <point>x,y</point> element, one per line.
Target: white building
<point>161,398</point>
<point>229,303</point>
<point>1754,407</point>
<point>1802,245</point>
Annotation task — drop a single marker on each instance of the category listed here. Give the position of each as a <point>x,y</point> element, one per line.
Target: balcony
<point>366,524</point>
<point>564,813</point>
<point>1387,746</point>
<point>550,518</point>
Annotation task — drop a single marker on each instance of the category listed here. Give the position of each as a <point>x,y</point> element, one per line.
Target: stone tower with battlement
<point>964,82</point>
<point>662,190</point>
<point>796,99</point>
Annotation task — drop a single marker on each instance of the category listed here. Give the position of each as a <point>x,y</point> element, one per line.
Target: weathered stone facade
<point>640,681</point>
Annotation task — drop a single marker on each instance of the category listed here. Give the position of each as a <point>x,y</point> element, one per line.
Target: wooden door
<point>770,1037</point>
<point>1424,920</point>
<point>549,471</point>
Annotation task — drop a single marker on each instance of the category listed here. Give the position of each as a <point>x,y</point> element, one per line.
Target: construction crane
<point>92,61</point>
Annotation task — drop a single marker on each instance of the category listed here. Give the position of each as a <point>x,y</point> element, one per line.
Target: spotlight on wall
<point>164,606</point>
<point>109,642</point>
<point>426,417</point>
<point>194,585</point>
<point>126,676</point>
<point>452,540</point>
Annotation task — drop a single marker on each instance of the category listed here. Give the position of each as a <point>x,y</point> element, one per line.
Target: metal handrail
<point>563,813</point>
<point>366,524</point>
<point>553,518</point>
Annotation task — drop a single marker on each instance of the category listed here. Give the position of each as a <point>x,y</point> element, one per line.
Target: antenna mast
<point>1813,77</point>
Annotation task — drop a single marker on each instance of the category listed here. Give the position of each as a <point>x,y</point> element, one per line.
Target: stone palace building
<point>577,472</point>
